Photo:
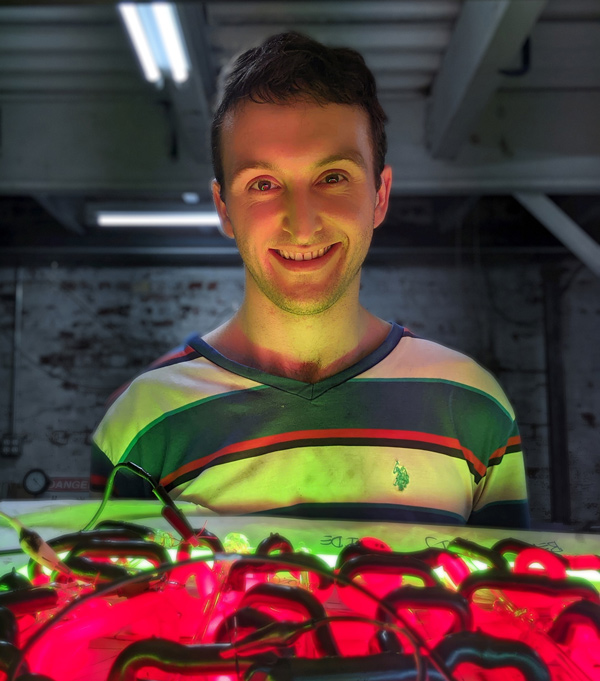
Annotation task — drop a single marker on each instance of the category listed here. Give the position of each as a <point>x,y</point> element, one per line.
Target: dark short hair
<point>291,66</point>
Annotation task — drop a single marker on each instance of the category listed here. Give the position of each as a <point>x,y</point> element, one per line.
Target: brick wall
<point>86,331</point>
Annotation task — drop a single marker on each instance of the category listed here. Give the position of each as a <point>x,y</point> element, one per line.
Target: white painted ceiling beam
<point>563,227</point>
<point>486,37</point>
<point>63,209</point>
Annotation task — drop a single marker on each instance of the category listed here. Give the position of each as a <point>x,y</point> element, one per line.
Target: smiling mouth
<point>311,255</point>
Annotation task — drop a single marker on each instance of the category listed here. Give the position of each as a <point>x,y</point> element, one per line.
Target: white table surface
<point>53,518</point>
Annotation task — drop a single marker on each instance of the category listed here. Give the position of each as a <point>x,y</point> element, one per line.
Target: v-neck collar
<point>308,391</point>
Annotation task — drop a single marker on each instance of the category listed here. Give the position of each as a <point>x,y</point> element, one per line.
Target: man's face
<point>300,199</point>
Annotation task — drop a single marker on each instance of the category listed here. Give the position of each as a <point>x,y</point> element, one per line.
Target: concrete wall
<point>86,331</point>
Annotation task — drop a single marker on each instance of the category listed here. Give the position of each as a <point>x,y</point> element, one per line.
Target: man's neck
<point>308,348</point>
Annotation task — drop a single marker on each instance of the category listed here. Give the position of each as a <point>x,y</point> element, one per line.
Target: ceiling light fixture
<point>172,40</point>
<point>157,219</point>
<point>133,23</point>
<point>158,40</point>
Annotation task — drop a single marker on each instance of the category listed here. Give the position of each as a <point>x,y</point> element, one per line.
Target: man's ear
<point>382,199</point>
<point>225,223</point>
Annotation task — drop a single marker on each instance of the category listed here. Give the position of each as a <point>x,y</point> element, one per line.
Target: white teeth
<point>304,256</point>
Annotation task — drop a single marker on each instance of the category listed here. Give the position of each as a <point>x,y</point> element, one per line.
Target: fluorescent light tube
<point>133,22</point>
<point>170,33</point>
<point>156,219</point>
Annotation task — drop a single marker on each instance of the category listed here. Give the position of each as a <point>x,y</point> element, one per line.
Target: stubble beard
<point>294,304</point>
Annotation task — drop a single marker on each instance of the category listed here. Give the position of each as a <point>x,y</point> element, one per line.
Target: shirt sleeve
<point>501,499</point>
<point>127,485</point>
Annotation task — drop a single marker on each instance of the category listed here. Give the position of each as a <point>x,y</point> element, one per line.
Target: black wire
<point>10,552</point>
<point>138,470</point>
<point>414,637</point>
<point>134,468</point>
<point>174,517</point>
<point>105,590</point>
<point>406,629</point>
<point>310,624</point>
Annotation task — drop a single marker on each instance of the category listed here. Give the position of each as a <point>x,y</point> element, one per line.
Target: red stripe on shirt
<point>499,453</point>
<point>367,433</point>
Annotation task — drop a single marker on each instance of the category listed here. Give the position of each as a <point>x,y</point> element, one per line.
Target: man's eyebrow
<point>353,157</point>
<point>252,165</point>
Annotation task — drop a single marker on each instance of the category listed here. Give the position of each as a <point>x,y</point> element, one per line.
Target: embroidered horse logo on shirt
<point>402,477</point>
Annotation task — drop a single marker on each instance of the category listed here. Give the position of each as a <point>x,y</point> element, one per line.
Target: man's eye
<point>263,185</point>
<point>333,178</point>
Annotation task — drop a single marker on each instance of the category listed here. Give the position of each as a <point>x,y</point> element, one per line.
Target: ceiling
<point>493,106</point>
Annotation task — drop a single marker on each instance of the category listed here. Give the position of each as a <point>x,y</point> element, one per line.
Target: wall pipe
<point>558,449</point>
<point>16,346</point>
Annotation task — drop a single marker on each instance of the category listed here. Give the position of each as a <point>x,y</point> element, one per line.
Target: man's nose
<point>301,218</point>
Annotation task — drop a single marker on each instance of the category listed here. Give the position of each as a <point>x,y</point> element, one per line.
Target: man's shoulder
<point>421,359</point>
<point>149,374</point>
<point>416,353</point>
<point>184,370</point>
<point>430,352</point>
<point>179,381</point>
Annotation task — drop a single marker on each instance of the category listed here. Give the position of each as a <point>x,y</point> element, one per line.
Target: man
<point>304,403</point>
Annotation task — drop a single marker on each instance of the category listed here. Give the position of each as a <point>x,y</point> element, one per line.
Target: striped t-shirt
<point>412,432</point>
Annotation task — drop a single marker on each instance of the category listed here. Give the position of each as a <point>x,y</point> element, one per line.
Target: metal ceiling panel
<point>354,11</point>
<point>585,10</point>
<point>57,14</point>
<point>77,118</point>
<point>56,50</point>
<point>45,37</point>
<point>564,55</point>
<point>435,36</point>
